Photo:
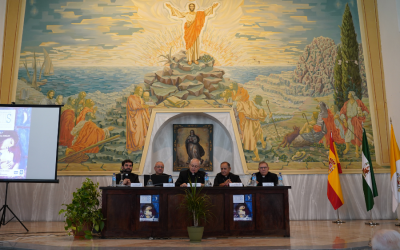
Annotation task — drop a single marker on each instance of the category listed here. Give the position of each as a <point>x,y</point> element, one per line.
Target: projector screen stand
<point>5,207</point>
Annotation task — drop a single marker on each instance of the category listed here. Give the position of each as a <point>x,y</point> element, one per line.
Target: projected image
<point>14,142</point>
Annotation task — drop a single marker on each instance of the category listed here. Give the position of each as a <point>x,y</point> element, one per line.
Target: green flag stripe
<point>369,199</point>
<point>365,149</point>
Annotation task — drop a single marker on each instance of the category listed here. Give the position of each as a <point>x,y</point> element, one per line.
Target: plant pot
<point>195,233</point>
<point>81,234</point>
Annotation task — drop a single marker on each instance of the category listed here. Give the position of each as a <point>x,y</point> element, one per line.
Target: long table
<point>121,208</point>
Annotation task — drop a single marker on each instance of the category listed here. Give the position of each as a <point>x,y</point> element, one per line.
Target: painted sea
<point>72,80</point>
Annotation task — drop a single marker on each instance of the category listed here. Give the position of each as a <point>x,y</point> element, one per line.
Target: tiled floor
<point>304,235</point>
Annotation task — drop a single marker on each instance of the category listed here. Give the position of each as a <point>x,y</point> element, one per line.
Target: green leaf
<point>101,225</point>
<point>96,227</point>
<point>89,237</point>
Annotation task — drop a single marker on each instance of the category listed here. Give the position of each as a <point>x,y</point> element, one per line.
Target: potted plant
<point>84,214</point>
<point>198,205</point>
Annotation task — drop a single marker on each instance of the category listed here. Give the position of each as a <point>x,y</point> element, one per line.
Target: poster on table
<point>149,207</point>
<point>243,207</point>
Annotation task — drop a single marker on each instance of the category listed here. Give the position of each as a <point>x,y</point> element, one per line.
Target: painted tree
<point>351,79</point>
<point>337,76</point>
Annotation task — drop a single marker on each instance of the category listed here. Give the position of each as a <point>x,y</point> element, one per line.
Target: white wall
<point>2,20</point>
<point>390,42</point>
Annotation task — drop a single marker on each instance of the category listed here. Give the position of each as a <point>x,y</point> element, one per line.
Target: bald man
<point>193,173</point>
<point>159,168</point>
<point>159,171</point>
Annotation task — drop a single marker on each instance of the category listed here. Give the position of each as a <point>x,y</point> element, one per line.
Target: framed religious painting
<point>193,141</point>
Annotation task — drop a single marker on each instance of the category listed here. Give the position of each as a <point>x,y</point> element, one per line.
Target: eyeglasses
<point>159,166</point>
<point>264,168</point>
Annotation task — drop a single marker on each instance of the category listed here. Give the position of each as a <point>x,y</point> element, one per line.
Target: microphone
<point>124,174</point>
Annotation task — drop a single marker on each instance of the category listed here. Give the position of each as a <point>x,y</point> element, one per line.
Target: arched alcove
<point>159,146</point>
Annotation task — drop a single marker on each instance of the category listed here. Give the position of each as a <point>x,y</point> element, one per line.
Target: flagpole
<point>335,169</point>
<point>338,221</point>
<point>371,223</point>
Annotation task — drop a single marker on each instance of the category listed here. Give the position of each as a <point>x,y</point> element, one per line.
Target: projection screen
<point>28,143</point>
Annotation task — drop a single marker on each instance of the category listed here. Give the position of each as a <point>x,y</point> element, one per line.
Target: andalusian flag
<point>368,180</point>
<point>394,170</point>
<point>335,195</point>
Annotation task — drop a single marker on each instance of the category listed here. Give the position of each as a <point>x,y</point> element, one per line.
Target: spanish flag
<point>394,170</point>
<point>335,195</point>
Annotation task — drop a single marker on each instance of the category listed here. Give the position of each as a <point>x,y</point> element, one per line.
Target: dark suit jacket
<point>221,179</point>
<point>270,177</point>
<point>185,174</point>
<point>133,177</point>
<point>153,178</point>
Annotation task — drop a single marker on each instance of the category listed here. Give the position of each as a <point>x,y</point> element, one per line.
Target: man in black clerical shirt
<point>128,177</point>
<point>193,173</point>
<point>225,177</point>
<point>264,175</point>
<point>159,171</point>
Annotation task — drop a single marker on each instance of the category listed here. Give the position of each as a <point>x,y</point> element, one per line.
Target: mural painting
<point>293,71</point>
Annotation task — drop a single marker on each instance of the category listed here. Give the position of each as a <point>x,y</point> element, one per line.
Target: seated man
<point>225,177</point>
<point>193,173</point>
<point>264,175</point>
<point>159,177</point>
<point>128,177</point>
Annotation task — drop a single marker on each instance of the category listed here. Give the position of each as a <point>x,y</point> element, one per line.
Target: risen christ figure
<point>194,24</point>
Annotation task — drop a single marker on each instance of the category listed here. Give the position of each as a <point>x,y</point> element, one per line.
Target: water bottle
<point>206,180</point>
<point>114,180</point>
<point>170,179</point>
<point>253,180</point>
<point>280,180</point>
